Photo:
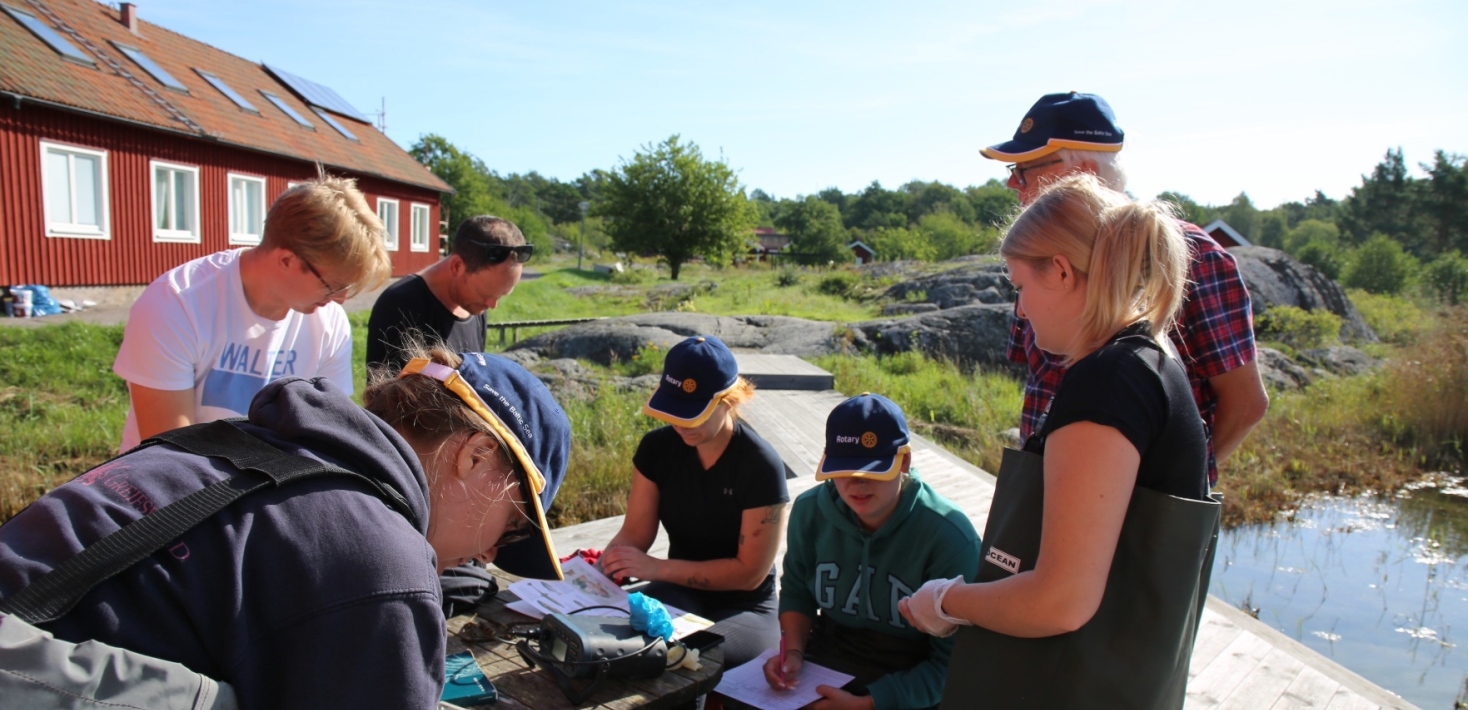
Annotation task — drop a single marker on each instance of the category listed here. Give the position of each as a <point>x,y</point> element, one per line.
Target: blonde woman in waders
<point>1099,544</point>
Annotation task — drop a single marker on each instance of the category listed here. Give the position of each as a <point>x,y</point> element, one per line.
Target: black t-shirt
<point>409,306</point>
<point>1133,386</point>
<point>703,510</point>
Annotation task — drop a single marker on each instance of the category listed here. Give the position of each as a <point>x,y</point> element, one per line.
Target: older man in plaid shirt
<point>1214,333</point>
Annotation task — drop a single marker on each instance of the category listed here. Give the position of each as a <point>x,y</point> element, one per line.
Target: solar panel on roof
<point>51,37</point>
<point>229,92</point>
<point>151,67</point>
<point>335,124</point>
<point>287,110</point>
<point>316,95</point>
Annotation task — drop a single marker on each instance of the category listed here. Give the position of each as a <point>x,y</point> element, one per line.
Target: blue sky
<point>1276,98</point>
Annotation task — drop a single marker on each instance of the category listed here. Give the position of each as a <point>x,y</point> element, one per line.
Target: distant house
<point>1225,235</point>
<point>863,253</point>
<point>129,149</point>
<point>767,243</point>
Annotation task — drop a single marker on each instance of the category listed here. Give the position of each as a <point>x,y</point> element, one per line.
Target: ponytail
<point>1133,254</point>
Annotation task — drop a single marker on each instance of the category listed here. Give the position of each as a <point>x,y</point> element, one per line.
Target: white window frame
<point>171,236</point>
<point>418,233</point>
<point>390,227</point>
<point>246,238</point>
<point>68,227</point>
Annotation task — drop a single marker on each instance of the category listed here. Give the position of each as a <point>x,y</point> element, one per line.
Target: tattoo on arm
<point>699,582</point>
<point>772,514</point>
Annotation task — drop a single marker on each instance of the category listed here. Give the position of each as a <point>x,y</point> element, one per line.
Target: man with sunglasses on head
<point>205,336</point>
<point>446,301</point>
<point>1069,133</point>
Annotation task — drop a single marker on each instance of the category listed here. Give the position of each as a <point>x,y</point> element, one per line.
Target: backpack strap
<point>261,465</point>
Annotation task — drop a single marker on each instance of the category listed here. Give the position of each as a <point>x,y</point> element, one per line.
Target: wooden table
<point>521,687</point>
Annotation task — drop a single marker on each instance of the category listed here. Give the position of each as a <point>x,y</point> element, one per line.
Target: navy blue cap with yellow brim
<point>1069,120</point>
<point>520,410</point>
<point>697,373</point>
<point>866,437</point>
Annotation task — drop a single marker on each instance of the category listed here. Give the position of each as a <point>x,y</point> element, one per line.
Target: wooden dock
<point>1238,662</point>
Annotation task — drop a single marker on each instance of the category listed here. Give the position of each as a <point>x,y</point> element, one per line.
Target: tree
<point>951,237</point>
<point>476,189</point>
<point>1311,230</point>
<point>1447,277</point>
<point>993,203</point>
<point>668,200</point>
<point>1272,227</point>
<point>1446,202</point>
<point>1187,207</point>
<point>816,234</point>
<point>901,243</point>
<point>1380,266</point>
<point>875,207</point>
<point>1386,202</point>
<point>1242,216</point>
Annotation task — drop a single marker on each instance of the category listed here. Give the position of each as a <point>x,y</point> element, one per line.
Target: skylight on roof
<point>225,89</point>
<point>286,109</point>
<point>51,37</point>
<point>317,95</point>
<point>335,124</point>
<point>151,67</point>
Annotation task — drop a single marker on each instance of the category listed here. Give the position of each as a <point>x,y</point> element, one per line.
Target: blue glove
<point>650,616</point>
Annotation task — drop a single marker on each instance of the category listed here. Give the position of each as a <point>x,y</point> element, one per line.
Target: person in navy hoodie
<point>317,594</point>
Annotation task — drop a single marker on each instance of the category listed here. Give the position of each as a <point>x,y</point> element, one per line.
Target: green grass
<point>61,408</point>
<point>966,412</point>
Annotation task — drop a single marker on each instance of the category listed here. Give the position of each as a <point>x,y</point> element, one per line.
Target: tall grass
<point>605,431</point>
<point>966,412</point>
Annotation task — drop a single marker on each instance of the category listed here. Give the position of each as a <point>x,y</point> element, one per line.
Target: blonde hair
<point>327,221</point>
<point>422,409</point>
<point>739,395</point>
<point>1133,254</point>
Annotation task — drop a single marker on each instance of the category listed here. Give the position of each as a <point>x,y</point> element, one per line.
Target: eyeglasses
<point>497,253</point>
<point>324,283</point>
<point>1018,172</point>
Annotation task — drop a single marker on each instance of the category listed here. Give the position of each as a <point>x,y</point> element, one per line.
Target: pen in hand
<point>782,658</point>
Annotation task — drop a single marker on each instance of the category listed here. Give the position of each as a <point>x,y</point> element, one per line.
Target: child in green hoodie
<point>867,537</point>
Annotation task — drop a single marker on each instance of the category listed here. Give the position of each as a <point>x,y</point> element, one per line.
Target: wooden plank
<point>1266,683</point>
<point>1310,690</point>
<point>1347,699</point>
<point>1215,633</point>
<point>1219,679</point>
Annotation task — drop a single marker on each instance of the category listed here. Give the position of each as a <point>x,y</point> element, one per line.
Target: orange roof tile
<point>31,69</point>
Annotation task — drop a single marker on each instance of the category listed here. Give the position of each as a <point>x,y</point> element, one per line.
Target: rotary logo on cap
<point>869,440</point>
<point>689,385</point>
<point>1026,125</point>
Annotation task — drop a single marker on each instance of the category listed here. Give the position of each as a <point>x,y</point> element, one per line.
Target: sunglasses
<point>498,253</point>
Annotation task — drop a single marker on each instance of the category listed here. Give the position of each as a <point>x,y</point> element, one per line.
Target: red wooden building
<point>127,149</point>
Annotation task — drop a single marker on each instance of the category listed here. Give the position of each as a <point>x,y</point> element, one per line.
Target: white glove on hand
<point>926,606</point>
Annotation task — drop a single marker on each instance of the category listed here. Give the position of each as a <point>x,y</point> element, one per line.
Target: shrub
<point>1380,266</point>
<point>1394,318</point>
<point>840,283</point>
<point>1324,256</point>
<point>1298,328</point>
<point>634,276</point>
<point>1447,277</point>
<point>787,278</point>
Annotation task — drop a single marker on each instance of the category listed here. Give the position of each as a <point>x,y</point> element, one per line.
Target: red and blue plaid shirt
<point>1214,333</point>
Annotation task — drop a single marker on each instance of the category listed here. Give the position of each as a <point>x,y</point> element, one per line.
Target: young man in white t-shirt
<point>207,335</point>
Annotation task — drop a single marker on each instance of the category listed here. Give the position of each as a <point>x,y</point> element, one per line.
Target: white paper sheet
<point>747,684</point>
<point>586,586</point>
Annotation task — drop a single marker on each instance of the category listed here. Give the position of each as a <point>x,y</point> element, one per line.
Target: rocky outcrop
<point>618,339</point>
<point>1338,360</point>
<point>971,335</point>
<point>1274,278</point>
<point>1279,372</point>
<point>964,286</point>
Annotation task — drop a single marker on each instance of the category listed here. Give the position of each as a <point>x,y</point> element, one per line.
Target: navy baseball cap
<point>866,437</point>
<point>1071,120</point>
<point>520,409</point>
<point>697,373</point>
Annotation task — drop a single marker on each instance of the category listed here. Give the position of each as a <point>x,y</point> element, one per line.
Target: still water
<point>1378,584</point>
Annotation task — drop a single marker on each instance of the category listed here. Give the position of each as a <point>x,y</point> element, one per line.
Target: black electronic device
<point>598,647</point>
<point>702,640</point>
